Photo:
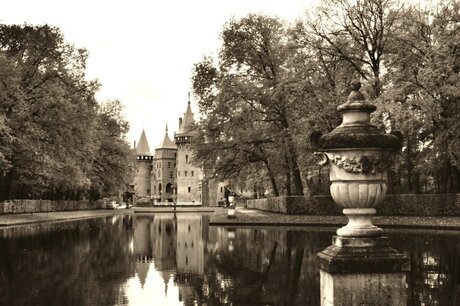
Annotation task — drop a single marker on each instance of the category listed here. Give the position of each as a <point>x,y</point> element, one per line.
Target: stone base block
<point>362,271</point>
<point>363,289</point>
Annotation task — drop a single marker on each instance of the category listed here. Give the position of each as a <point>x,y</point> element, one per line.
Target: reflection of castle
<point>164,240</point>
<point>175,245</point>
<point>190,244</point>
<point>164,251</point>
<point>142,247</point>
<point>190,255</point>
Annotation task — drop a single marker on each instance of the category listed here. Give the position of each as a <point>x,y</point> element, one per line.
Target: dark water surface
<point>167,259</point>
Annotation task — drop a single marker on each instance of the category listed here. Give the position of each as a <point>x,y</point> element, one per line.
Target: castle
<point>168,175</point>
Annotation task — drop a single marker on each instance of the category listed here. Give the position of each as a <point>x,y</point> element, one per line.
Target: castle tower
<point>164,171</point>
<point>143,164</point>
<point>189,176</point>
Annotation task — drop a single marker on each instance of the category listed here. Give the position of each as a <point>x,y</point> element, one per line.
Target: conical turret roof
<point>143,145</point>
<point>167,143</point>
<point>187,121</point>
<point>142,269</point>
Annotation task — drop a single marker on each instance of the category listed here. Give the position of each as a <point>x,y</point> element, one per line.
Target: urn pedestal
<point>231,207</point>
<point>359,268</point>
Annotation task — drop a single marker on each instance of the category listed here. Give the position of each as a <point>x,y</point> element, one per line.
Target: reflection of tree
<point>266,267</point>
<point>435,268</point>
<point>78,263</point>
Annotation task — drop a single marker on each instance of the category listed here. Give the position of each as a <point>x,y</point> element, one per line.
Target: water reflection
<point>78,263</point>
<point>174,246</point>
<point>256,266</point>
<point>169,259</point>
<point>435,264</point>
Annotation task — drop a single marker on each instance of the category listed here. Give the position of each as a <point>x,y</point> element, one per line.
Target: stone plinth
<point>362,271</point>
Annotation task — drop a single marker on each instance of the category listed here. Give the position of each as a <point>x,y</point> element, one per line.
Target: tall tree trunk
<point>9,183</point>
<point>287,173</point>
<point>292,158</point>
<point>409,165</point>
<point>272,178</point>
<point>295,168</point>
<point>2,188</point>
<point>456,180</point>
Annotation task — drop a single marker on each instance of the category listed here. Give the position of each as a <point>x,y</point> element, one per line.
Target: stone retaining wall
<point>393,204</point>
<point>35,206</point>
<point>295,205</point>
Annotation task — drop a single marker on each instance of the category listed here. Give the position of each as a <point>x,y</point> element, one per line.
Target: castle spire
<point>187,120</point>
<point>167,142</point>
<point>143,146</point>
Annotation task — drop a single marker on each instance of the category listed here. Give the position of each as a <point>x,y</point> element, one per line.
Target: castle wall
<point>164,173</point>
<point>142,178</point>
<point>189,176</point>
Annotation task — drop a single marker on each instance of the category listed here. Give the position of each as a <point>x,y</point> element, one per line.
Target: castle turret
<point>144,162</point>
<point>164,170</point>
<point>189,176</point>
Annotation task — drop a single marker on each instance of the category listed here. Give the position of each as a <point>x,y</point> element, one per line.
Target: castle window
<point>192,173</point>
<point>169,164</point>
<point>185,173</point>
<point>186,158</point>
<point>221,189</point>
<point>189,189</point>
<point>171,174</point>
<point>178,173</point>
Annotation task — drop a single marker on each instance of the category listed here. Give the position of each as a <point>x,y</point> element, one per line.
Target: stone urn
<point>358,155</point>
<point>360,267</point>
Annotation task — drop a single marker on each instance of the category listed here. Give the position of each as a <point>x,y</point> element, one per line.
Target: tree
<point>113,163</point>
<point>425,85</point>
<point>243,98</point>
<point>360,33</point>
<point>48,115</point>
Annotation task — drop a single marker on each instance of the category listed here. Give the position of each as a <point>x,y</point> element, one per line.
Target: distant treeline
<point>56,140</point>
<point>273,83</point>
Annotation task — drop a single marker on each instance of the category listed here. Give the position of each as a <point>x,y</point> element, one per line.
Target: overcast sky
<point>143,51</point>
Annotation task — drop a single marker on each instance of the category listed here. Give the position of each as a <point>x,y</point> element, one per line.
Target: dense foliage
<point>56,141</point>
<point>273,83</point>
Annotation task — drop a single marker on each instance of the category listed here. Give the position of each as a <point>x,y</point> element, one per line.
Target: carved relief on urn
<point>358,156</point>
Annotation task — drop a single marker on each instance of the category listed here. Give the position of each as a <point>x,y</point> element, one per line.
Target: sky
<point>142,52</point>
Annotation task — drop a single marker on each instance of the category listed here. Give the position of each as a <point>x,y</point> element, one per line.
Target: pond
<point>167,259</point>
